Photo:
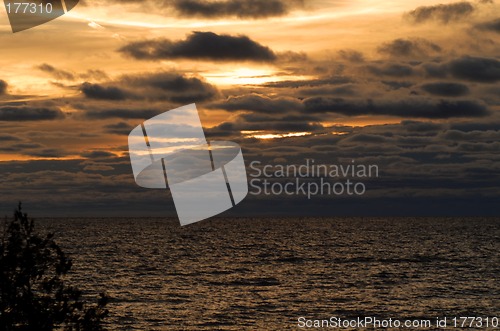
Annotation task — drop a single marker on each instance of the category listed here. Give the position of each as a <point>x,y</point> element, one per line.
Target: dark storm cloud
<point>29,113</point>
<point>172,86</point>
<point>443,13</point>
<point>3,87</point>
<point>410,107</point>
<point>99,92</point>
<point>407,47</point>
<point>201,46</point>
<point>477,69</point>
<point>392,70</point>
<point>259,104</point>
<point>446,89</point>
<point>490,26</point>
<point>56,73</point>
<point>234,8</point>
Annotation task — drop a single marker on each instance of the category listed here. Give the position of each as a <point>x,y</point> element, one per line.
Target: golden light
<point>249,76</point>
<point>264,136</point>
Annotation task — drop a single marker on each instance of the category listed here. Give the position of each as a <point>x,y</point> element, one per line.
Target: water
<point>263,274</point>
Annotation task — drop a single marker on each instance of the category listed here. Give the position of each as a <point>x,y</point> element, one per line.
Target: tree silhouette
<point>33,294</point>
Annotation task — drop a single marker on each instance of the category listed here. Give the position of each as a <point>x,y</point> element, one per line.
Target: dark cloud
<point>8,137</point>
<point>344,90</point>
<point>351,55</point>
<point>435,70</point>
<point>259,104</point>
<point>201,46</point>
<point>334,80</point>
<point>410,107</point>
<point>396,85</point>
<point>392,70</point>
<point>3,87</point>
<point>120,128</point>
<point>234,8</point>
<point>172,86</point>
<point>160,86</point>
<point>97,91</point>
<point>97,154</point>
<point>29,113</point>
<point>446,89</point>
<point>94,74</point>
<point>265,123</point>
<point>443,13</point>
<point>46,152</point>
<point>490,26</point>
<point>121,113</point>
<point>56,73</point>
<point>476,126</point>
<point>407,47</point>
<point>416,126</point>
<point>476,69</point>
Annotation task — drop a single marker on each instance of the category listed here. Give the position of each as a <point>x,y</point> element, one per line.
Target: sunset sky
<point>412,86</point>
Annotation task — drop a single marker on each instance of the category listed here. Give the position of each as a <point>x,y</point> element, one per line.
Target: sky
<point>410,86</point>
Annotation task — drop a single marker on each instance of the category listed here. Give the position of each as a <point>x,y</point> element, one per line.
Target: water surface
<point>263,274</point>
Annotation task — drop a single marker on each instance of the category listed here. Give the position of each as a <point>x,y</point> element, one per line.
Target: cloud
<point>56,73</point>
<point>46,153</point>
<point>444,13</point>
<point>201,46</point>
<point>29,113</point>
<point>334,80</point>
<point>160,86</point>
<point>396,85</point>
<point>171,86</point>
<point>392,70</point>
<point>120,128</point>
<point>477,69</point>
<point>490,26</point>
<point>94,74</point>
<point>351,55</point>
<point>264,122</point>
<point>8,137</point>
<point>97,154</point>
<point>234,8</point>
<point>407,47</point>
<point>259,104</point>
<point>121,113</point>
<point>476,126</point>
<point>99,92</point>
<point>3,87</point>
<point>410,107</point>
<point>446,89</point>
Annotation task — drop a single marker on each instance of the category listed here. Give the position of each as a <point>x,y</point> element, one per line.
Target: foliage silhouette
<point>33,293</point>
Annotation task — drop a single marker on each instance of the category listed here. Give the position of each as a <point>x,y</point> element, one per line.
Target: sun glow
<point>264,136</point>
<point>249,76</point>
